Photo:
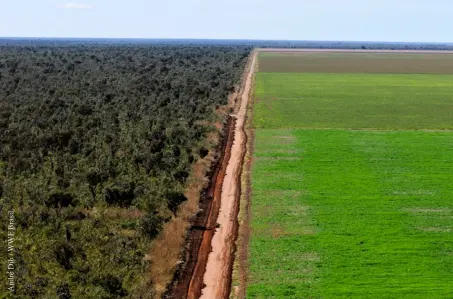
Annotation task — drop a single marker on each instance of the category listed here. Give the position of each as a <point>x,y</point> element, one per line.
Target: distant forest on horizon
<point>377,45</point>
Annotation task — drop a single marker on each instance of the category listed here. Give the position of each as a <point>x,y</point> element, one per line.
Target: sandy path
<point>217,277</point>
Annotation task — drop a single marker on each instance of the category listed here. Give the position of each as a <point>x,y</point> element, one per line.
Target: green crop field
<point>340,210</point>
<point>291,100</point>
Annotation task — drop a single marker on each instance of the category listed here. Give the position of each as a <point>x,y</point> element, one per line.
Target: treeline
<point>96,144</point>
<point>231,42</point>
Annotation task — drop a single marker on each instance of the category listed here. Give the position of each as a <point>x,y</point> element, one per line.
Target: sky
<point>346,20</point>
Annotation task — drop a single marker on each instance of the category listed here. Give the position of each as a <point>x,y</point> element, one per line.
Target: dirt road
<point>209,248</point>
<point>217,277</point>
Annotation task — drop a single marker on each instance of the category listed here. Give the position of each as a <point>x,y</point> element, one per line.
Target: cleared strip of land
<point>217,278</point>
<point>344,61</point>
<point>289,50</point>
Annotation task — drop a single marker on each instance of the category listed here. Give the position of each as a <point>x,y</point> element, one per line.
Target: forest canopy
<point>96,145</point>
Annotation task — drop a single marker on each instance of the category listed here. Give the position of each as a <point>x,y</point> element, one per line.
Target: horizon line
<point>222,39</point>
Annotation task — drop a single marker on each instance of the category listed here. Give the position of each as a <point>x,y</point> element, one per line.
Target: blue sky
<point>353,20</point>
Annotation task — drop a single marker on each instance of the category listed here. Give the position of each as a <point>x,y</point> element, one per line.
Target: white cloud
<point>77,6</point>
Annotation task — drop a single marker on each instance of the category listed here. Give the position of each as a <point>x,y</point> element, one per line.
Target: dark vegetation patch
<point>86,129</point>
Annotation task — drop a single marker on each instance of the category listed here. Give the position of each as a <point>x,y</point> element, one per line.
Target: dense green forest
<point>96,144</point>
